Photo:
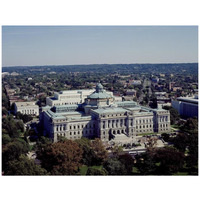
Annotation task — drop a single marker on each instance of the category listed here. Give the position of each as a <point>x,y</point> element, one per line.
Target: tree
<point>4,111</point>
<point>169,159</point>
<point>12,127</point>
<point>145,163</point>
<point>180,142</point>
<point>114,167</point>
<point>165,137</point>
<point>88,157</point>
<point>93,171</point>
<point>127,161</point>
<point>61,158</point>
<point>116,151</point>
<point>5,139</point>
<point>13,150</point>
<point>24,166</point>
<point>26,118</point>
<point>174,115</point>
<point>191,125</point>
<point>100,153</point>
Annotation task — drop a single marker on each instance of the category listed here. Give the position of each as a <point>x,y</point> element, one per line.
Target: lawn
<point>175,126</point>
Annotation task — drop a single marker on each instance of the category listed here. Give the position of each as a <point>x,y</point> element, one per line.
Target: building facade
<point>102,117</point>
<point>29,108</point>
<point>186,106</point>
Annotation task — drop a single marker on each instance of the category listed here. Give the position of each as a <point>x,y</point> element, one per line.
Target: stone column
<point>54,128</point>
<point>118,123</point>
<point>106,124</point>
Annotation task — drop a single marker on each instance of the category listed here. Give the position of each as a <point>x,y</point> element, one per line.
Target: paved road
<point>145,84</point>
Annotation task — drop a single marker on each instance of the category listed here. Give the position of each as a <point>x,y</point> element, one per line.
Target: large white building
<point>186,106</point>
<point>29,108</point>
<point>100,116</point>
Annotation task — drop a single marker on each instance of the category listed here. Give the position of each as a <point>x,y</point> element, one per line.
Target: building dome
<point>99,87</point>
<point>99,93</point>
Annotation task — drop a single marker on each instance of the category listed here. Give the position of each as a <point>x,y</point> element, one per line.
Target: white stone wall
<point>75,130</point>
<point>29,110</point>
<point>68,97</point>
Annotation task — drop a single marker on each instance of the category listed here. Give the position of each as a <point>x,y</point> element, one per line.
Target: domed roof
<point>99,93</point>
<point>102,95</point>
<point>99,87</point>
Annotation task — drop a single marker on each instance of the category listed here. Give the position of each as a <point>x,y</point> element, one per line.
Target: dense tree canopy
<point>114,167</point>
<point>61,158</point>
<point>100,153</point>
<point>13,150</point>
<point>93,171</point>
<point>174,115</point>
<point>24,166</point>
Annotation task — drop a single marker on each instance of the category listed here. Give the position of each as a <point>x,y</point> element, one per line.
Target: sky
<point>71,45</point>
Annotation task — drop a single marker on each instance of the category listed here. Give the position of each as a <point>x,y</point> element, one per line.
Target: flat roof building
<point>186,106</point>
<point>29,108</point>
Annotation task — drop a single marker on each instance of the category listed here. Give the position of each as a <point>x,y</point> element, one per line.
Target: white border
<point>91,12</point>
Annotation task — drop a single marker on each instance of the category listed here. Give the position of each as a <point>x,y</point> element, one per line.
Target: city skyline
<point>76,45</point>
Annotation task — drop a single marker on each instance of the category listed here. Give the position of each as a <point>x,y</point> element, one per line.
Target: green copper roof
<point>100,93</point>
<point>113,110</point>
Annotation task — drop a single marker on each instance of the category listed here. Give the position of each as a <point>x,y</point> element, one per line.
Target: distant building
<point>161,104</point>
<point>5,74</point>
<point>99,116</point>
<point>29,108</point>
<point>136,82</point>
<point>174,89</point>
<point>160,94</point>
<point>14,74</point>
<point>155,80</point>
<point>186,106</point>
<point>131,92</point>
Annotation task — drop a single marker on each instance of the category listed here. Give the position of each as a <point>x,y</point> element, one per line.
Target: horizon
<point>101,64</point>
<point>83,45</point>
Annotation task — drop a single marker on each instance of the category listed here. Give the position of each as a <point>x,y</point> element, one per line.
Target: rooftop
<point>26,103</point>
<point>100,93</point>
<point>110,110</point>
<point>188,99</point>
